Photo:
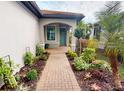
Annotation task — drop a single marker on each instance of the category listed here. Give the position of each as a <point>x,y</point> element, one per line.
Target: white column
<point>73,43</point>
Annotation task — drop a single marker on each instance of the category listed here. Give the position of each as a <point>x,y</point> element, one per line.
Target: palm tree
<point>111,20</point>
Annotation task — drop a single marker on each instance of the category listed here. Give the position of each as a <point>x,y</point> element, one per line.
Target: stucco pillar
<point>42,37</point>
<point>73,44</point>
<point>67,40</point>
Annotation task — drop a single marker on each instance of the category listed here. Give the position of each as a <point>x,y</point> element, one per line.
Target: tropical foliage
<point>6,75</point>
<point>81,64</point>
<point>101,64</point>
<point>111,19</point>
<point>88,55</point>
<point>87,61</point>
<point>71,53</point>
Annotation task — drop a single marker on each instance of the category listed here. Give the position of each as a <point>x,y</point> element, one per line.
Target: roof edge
<point>61,11</point>
<point>32,6</point>
<point>61,14</point>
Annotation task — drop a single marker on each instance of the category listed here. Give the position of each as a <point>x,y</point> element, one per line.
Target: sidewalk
<point>57,74</point>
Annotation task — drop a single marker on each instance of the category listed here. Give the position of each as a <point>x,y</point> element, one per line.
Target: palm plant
<point>111,20</point>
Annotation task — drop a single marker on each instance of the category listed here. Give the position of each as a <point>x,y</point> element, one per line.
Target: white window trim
<point>55,34</point>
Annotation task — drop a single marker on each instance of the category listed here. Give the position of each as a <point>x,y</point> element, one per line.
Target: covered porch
<point>55,27</point>
<point>56,35</point>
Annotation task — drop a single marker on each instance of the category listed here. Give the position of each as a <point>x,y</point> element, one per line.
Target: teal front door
<point>62,37</point>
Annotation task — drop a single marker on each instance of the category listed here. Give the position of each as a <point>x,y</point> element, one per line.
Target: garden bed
<point>31,85</point>
<point>23,82</point>
<point>39,66</point>
<point>94,79</point>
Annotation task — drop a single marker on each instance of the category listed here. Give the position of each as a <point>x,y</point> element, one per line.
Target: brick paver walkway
<point>57,74</point>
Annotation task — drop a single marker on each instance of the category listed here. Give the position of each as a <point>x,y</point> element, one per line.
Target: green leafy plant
<point>81,31</point>
<point>6,75</point>
<point>79,34</point>
<point>88,55</point>
<point>28,58</point>
<point>39,50</point>
<point>10,81</point>
<point>18,78</point>
<point>111,20</point>
<point>71,53</point>
<point>101,64</point>
<point>32,75</point>
<point>80,64</point>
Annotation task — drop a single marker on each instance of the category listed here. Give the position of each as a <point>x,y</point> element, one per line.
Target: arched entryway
<point>56,34</point>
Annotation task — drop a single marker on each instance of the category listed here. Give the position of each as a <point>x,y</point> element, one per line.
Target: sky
<point>88,8</point>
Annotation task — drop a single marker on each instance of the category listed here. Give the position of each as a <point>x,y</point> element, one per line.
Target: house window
<point>50,32</point>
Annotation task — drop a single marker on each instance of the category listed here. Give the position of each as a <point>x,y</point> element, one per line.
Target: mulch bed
<point>39,65</point>
<point>31,85</point>
<point>94,79</point>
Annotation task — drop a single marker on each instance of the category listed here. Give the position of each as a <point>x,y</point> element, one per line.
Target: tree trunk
<point>115,72</point>
<point>78,47</point>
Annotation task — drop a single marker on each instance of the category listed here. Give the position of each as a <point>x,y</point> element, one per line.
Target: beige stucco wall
<point>18,29</point>
<point>47,21</point>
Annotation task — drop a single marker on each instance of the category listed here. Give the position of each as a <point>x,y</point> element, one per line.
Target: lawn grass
<point>121,70</point>
<point>101,56</point>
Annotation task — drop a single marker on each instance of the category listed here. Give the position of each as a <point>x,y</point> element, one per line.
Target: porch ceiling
<point>60,25</point>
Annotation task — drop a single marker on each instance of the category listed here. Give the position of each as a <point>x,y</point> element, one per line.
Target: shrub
<point>92,43</point>
<point>88,55</point>
<point>80,64</point>
<point>40,53</point>
<point>71,53</point>
<point>28,58</point>
<point>39,50</point>
<point>6,75</point>
<point>36,58</point>
<point>10,81</point>
<point>32,75</point>
<point>101,64</point>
